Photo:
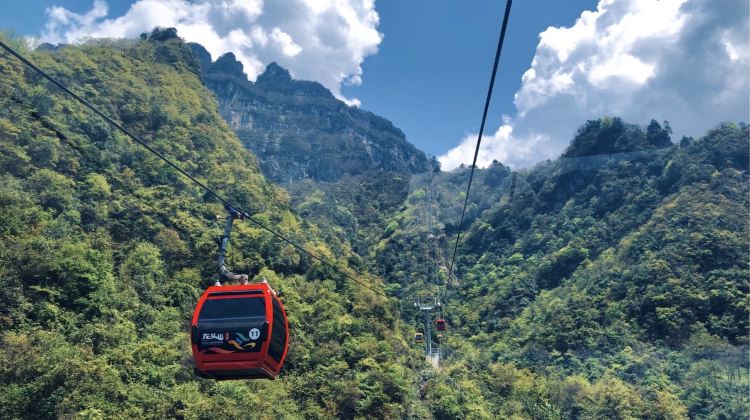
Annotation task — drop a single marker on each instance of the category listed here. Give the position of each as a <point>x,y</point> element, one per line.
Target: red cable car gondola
<point>440,324</point>
<point>239,332</point>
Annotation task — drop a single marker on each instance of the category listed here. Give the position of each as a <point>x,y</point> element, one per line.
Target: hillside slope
<point>105,250</point>
<point>612,283</point>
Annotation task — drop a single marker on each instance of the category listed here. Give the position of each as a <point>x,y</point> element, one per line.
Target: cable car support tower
<point>427,309</point>
<point>427,306</point>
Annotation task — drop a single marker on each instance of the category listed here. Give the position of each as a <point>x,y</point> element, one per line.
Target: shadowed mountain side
<point>299,130</point>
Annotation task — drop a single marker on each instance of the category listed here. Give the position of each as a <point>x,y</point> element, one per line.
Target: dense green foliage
<point>105,250</point>
<point>612,283</point>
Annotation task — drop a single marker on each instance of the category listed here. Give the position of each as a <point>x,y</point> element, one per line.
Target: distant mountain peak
<point>278,79</point>
<point>274,73</point>
<point>201,54</point>
<point>228,64</point>
<point>299,129</point>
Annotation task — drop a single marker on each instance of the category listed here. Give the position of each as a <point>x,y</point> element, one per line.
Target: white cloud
<point>288,46</point>
<point>685,61</point>
<point>502,146</point>
<point>321,40</point>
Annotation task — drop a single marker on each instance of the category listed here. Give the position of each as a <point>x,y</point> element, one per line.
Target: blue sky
<point>28,17</point>
<point>431,73</point>
<point>425,64</point>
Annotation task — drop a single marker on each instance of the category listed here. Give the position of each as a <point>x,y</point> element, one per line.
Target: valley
<point>611,282</point>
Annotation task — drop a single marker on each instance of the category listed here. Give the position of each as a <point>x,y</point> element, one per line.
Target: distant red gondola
<point>440,324</point>
<point>239,332</point>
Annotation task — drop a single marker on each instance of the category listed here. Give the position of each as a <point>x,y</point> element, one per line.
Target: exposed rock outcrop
<point>299,130</point>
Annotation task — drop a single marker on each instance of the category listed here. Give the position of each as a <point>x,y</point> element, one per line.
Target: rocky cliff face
<point>299,130</point>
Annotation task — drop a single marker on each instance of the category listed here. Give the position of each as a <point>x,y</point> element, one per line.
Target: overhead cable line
<point>231,208</point>
<point>430,236</point>
<point>481,131</point>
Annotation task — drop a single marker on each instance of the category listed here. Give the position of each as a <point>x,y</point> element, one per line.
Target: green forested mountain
<point>610,283</point>
<point>105,250</point>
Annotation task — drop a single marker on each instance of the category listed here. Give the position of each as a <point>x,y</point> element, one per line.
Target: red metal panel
<point>440,324</point>
<point>222,362</point>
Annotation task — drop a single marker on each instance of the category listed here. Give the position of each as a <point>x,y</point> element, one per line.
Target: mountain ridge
<point>299,130</point>
<point>609,283</point>
<point>105,250</point>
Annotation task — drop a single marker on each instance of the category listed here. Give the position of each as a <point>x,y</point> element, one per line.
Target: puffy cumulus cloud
<point>321,40</point>
<point>685,61</point>
<point>502,146</point>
